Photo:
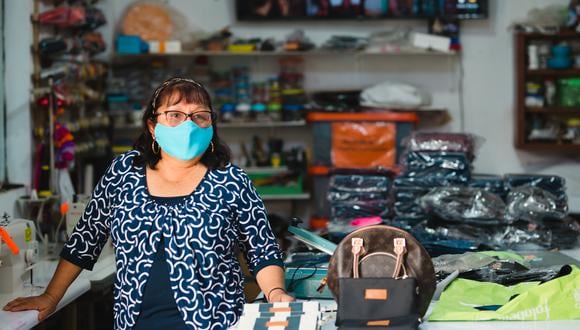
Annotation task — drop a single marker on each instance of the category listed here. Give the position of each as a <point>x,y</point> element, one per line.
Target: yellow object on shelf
<point>242,48</point>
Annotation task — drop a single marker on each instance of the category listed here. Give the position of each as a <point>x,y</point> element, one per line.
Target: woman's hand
<point>44,304</point>
<point>280,296</point>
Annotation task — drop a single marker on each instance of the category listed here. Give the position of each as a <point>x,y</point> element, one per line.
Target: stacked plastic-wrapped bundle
<point>536,198</point>
<point>466,212</point>
<point>465,205</point>
<point>533,215</point>
<point>495,184</point>
<point>431,160</point>
<point>357,195</point>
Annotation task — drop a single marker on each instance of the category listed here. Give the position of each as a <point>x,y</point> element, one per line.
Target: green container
<point>569,90</point>
<point>294,187</point>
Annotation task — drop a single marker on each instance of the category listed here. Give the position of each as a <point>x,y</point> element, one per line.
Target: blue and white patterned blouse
<point>200,236</point>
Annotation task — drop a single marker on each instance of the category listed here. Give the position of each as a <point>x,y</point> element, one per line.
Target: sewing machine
<point>18,251</point>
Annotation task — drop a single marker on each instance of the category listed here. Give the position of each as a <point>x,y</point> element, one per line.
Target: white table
<point>104,268</point>
<point>489,325</point>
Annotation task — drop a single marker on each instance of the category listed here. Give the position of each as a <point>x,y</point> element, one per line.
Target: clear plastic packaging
<point>343,196</point>
<point>496,272</point>
<point>534,204</point>
<point>355,183</point>
<point>438,242</point>
<point>492,183</point>
<point>421,160</point>
<point>552,183</point>
<point>529,238</point>
<point>567,232</point>
<point>348,211</point>
<point>434,169</point>
<point>448,263</point>
<point>467,205</point>
<point>407,205</point>
<point>532,275</point>
<point>449,142</point>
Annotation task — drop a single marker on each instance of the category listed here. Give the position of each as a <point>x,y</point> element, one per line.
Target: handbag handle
<point>358,249</point>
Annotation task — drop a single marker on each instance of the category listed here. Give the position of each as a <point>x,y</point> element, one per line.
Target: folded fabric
<point>492,183</point>
<point>434,169</point>
<point>356,183</point>
<point>468,205</point>
<point>350,211</point>
<point>450,142</point>
<point>466,300</point>
<point>552,183</point>
<point>534,204</point>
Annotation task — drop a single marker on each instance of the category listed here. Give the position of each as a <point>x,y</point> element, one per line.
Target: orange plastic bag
<point>363,144</point>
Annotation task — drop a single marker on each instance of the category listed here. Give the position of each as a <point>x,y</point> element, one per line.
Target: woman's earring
<point>211,147</point>
<point>153,147</point>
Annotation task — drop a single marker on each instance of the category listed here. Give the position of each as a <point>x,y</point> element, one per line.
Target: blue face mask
<point>185,141</point>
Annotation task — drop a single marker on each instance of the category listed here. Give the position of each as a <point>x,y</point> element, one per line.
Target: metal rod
<point>51,112</point>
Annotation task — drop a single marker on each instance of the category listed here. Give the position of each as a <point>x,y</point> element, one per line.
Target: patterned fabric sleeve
<point>258,241</point>
<point>92,230</point>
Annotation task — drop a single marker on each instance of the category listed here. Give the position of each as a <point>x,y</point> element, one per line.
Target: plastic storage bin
<point>359,140</point>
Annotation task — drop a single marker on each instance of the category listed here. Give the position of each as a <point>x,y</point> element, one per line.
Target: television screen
<point>359,9</point>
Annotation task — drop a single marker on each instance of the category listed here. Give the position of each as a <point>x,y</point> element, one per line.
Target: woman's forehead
<point>177,98</point>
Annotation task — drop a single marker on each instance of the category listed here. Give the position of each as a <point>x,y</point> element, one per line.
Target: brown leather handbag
<point>387,274</point>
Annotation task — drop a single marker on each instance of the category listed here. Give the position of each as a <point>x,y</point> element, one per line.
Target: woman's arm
<point>258,242</point>
<point>66,272</point>
<point>80,251</point>
<point>271,281</point>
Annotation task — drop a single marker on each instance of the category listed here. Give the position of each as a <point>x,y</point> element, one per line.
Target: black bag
<point>378,302</point>
<point>382,278</point>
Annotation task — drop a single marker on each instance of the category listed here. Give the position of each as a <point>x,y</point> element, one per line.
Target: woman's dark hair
<point>216,156</point>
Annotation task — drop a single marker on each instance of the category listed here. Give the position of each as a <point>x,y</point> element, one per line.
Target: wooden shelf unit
<point>525,114</point>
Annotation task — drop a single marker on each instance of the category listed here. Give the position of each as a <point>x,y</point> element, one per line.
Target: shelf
<point>547,146</point>
<point>571,111</point>
<point>554,72</point>
<point>319,52</point>
<point>409,116</point>
<point>303,196</point>
<point>323,170</point>
<point>277,124</point>
<point>525,114</point>
<point>268,170</point>
<point>559,35</point>
<point>296,123</point>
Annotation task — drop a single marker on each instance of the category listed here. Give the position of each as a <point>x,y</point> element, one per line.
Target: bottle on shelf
<point>242,87</point>
<point>275,100</point>
<point>259,113</point>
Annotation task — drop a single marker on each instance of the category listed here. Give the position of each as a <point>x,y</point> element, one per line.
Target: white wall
<point>489,98</point>
<point>487,61</point>
<point>488,76</point>
<point>18,39</point>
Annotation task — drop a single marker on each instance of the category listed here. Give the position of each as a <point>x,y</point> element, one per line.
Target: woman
<point>176,211</point>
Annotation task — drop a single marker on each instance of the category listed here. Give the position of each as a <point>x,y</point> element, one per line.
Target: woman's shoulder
<point>123,163</point>
<point>230,172</point>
